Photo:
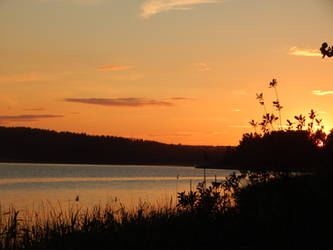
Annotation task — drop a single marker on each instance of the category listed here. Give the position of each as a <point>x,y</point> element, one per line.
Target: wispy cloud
<point>26,77</point>
<point>81,2</point>
<point>121,102</point>
<point>181,99</point>
<point>304,52</point>
<point>33,109</point>
<point>26,118</point>
<point>319,92</point>
<point>33,76</point>
<point>113,67</point>
<point>201,66</point>
<point>87,1</point>
<point>153,7</point>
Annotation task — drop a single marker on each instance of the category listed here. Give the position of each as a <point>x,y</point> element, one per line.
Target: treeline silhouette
<point>22,144</point>
<point>280,150</point>
<point>299,145</point>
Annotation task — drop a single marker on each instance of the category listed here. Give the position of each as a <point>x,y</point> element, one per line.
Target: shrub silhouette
<point>292,147</point>
<point>215,199</point>
<point>277,149</point>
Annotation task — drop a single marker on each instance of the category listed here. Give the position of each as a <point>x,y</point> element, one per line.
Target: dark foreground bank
<point>273,211</point>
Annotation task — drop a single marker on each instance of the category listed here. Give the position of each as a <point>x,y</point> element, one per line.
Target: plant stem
<point>277,99</point>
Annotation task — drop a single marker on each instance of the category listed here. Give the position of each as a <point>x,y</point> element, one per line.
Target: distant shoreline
<point>29,145</point>
<point>97,163</point>
<point>200,166</point>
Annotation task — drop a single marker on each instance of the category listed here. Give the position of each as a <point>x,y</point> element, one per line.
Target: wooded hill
<point>22,144</point>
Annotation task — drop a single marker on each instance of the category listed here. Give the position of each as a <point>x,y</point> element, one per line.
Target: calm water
<point>29,185</point>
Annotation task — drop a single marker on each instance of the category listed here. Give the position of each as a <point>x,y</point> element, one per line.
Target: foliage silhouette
<point>217,197</point>
<point>276,103</point>
<point>298,146</point>
<point>326,50</point>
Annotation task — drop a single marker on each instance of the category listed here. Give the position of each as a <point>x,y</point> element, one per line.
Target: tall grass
<point>62,228</point>
<point>75,227</point>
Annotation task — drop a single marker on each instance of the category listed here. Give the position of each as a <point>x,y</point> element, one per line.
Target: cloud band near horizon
<point>181,99</point>
<point>120,102</point>
<point>322,93</point>
<point>294,51</point>
<point>153,7</point>
<point>113,67</point>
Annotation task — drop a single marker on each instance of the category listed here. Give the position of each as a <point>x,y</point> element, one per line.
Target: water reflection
<point>94,179</point>
<point>28,185</point>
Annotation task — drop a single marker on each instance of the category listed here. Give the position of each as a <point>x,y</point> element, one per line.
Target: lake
<point>30,185</point>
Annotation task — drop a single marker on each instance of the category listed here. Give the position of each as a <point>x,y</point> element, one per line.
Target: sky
<point>174,71</point>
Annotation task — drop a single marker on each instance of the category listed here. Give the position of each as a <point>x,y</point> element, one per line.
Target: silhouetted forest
<point>23,144</point>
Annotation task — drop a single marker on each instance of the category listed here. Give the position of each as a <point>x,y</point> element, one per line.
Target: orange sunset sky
<point>175,71</point>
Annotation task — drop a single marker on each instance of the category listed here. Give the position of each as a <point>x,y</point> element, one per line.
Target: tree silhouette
<point>326,50</point>
<point>299,146</point>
